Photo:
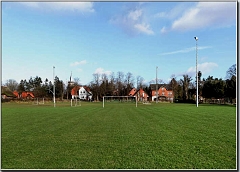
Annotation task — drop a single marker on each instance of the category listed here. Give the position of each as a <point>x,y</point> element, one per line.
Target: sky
<point>143,38</point>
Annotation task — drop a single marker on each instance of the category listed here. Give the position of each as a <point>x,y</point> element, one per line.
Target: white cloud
<point>163,30</point>
<point>145,28</point>
<point>173,13</point>
<point>102,71</point>
<point>186,50</point>
<point>30,4</point>
<point>62,6</point>
<point>78,63</point>
<point>132,22</point>
<point>161,15</point>
<point>202,15</point>
<point>207,14</point>
<point>135,15</point>
<point>205,68</point>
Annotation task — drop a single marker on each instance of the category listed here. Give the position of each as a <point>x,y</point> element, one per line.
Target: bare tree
<point>231,72</point>
<point>111,86</point>
<point>159,81</point>
<point>96,82</point>
<point>185,82</point>
<point>76,81</point>
<point>11,84</point>
<point>104,84</point>
<point>129,81</point>
<point>119,82</point>
<point>139,82</point>
<point>174,85</point>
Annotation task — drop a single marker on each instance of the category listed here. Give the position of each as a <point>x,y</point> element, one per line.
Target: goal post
<point>104,98</point>
<point>38,101</point>
<point>76,102</point>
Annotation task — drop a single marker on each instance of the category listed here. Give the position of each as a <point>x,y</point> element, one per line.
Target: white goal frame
<point>120,97</point>
<point>77,102</point>
<point>37,102</point>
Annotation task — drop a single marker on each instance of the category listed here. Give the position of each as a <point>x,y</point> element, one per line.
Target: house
<point>85,93</point>
<point>75,92</point>
<point>6,93</point>
<point>164,92</point>
<point>140,94</point>
<point>27,95</point>
<point>24,94</point>
<point>81,92</point>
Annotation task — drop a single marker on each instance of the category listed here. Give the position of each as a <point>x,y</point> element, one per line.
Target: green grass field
<point>119,136</point>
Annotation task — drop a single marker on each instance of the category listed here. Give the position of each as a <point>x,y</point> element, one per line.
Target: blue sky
<point>104,37</point>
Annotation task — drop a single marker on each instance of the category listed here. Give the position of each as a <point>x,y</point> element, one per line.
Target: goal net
<point>75,102</point>
<point>38,101</point>
<point>120,99</point>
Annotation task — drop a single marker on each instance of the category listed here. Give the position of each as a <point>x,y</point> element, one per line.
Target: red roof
<point>140,92</point>
<point>87,88</point>
<point>16,94</point>
<point>132,92</point>
<point>75,90</point>
<point>26,94</point>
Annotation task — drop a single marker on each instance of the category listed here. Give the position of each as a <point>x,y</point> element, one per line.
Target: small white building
<point>81,92</point>
<point>85,93</point>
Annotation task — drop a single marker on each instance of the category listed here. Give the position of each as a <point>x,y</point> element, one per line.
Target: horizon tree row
<point>121,84</point>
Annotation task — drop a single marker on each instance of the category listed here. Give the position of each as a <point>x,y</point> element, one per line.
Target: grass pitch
<point>119,136</point>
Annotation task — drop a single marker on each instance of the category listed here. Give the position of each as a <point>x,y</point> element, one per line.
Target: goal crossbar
<point>119,97</point>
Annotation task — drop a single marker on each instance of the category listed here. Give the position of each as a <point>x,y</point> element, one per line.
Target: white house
<point>85,93</point>
<point>81,92</point>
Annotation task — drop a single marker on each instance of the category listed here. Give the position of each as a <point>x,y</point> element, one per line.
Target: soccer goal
<point>75,102</point>
<point>119,99</point>
<point>38,101</point>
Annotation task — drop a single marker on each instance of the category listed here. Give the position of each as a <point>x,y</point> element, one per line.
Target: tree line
<point>121,84</point>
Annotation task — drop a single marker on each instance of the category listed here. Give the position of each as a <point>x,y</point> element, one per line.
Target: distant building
<point>24,94</point>
<point>27,95</point>
<point>81,92</point>
<point>140,94</point>
<point>75,92</point>
<point>6,93</point>
<point>85,93</point>
<point>164,92</point>
<point>70,82</point>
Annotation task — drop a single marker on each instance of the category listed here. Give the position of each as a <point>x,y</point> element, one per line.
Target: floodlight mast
<point>54,103</point>
<point>196,38</point>
<point>156,86</point>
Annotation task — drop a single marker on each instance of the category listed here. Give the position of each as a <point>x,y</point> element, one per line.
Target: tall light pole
<point>156,87</point>
<point>54,103</point>
<point>196,38</point>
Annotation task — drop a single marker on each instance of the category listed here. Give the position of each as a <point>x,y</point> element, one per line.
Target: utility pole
<point>156,87</point>
<point>196,38</point>
<point>54,103</point>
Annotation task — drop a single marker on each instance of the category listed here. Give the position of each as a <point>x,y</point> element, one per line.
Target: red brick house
<point>24,94</point>
<point>16,94</point>
<point>140,94</point>
<point>164,92</point>
<point>27,95</point>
